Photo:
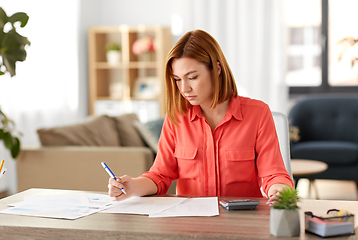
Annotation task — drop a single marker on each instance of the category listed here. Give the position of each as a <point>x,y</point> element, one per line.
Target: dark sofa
<point>328,130</point>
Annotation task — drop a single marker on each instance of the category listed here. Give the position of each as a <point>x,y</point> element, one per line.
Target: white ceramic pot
<point>284,223</point>
<point>113,57</point>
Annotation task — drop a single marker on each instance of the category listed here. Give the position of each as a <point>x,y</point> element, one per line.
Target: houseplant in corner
<point>12,50</point>
<point>284,215</point>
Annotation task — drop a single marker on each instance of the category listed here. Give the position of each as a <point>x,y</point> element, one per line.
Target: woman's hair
<point>204,48</point>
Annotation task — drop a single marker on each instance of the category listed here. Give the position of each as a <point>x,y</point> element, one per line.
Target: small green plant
<point>12,44</point>
<point>12,50</point>
<point>113,47</point>
<point>287,200</point>
<point>7,128</point>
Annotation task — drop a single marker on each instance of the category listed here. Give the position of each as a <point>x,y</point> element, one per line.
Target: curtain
<point>251,34</point>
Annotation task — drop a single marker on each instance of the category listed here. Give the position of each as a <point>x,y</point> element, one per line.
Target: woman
<point>214,142</point>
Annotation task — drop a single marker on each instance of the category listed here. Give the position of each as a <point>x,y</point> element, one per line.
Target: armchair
<point>328,128</point>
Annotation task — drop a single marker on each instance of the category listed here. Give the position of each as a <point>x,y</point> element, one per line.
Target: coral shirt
<point>236,159</point>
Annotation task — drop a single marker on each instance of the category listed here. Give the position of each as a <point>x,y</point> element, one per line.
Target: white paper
<point>64,206</point>
<point>76,199</point>
<point>144,205</point>
<point>50,211</point>
<point>99,200</point>
<point>192,207</point>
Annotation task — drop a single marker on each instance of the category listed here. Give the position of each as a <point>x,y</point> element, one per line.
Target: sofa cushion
<point>150,132</point>
<point>334,153</point>
<point>127,133</point>
<point>97,131</point>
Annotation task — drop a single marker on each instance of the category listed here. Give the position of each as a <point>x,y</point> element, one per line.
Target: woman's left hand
<point>274,193</point>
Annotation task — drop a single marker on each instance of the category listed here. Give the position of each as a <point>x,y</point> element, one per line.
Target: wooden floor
<point>328,189</point>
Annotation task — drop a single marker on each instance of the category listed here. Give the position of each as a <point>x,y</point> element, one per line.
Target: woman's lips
<point>190,97</point>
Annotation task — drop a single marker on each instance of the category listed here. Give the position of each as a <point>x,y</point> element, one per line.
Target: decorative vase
<point>113,57</point>
<point>284,223</point>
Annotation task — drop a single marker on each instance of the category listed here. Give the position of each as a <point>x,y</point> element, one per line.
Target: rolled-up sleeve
<point>269,162</point>
<point>164,169</point>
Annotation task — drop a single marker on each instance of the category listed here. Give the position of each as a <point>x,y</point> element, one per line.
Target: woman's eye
<point>193,78</point>
<point>176,79</point>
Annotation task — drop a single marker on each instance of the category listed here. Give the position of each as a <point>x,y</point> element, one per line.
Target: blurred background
<point>278,51</point>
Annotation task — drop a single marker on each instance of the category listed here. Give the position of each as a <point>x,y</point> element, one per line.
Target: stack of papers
<point>329,228</point>
<point>73,206</point>
<point>67,206</point>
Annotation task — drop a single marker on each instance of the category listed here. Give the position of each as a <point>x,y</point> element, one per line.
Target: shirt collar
<point>195,111</point>
<point>233,110</point>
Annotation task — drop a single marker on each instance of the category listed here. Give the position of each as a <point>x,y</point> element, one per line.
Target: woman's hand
<point>125,182</point>
<point>274,193</point>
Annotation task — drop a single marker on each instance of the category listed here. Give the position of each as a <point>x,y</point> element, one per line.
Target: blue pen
<point>111,174</point>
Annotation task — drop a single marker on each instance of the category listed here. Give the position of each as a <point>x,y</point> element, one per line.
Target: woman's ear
<point>219,68</point>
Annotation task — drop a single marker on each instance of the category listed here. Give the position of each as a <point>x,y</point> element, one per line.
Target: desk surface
<point>248,224</point>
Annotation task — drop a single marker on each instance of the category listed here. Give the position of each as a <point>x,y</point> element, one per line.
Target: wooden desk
<point>308,168</point>
<point>248,224</point>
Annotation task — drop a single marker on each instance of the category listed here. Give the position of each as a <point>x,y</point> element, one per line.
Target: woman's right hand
<point>125,182</point>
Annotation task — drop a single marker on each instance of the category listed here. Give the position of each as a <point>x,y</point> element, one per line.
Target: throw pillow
<point>127,134</point>
<point>150,132</point>
<point>97,131</point>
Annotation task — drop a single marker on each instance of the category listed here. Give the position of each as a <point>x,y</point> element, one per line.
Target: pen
<point>1,164</point>
<point>111,174</point>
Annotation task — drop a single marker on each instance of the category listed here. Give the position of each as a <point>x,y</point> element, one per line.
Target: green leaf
<point>1,73</point>
<point>287,200</point>
<point>10,66</point>
<point>15,150</point>
<point>3,18</point>
<point>8,140</point>
<point>23,41</point>
<point>19,17</point>
<point>2,134</point>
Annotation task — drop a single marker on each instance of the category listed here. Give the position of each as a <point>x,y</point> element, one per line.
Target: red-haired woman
<point>213,142</point>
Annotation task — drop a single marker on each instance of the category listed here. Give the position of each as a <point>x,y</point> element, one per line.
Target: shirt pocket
<point>240,165</point>
<point>188,163</point>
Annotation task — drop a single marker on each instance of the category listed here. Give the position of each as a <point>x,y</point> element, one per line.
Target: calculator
<point>240,204</point>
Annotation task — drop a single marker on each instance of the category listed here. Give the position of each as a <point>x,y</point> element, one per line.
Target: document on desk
<point>192,207</point>
<point>166,206</point>
<point>67,206</point>
<point>144,205</point>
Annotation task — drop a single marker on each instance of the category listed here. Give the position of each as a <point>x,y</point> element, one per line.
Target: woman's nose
<point>185,86</point>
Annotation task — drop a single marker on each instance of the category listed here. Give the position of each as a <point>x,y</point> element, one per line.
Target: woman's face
<point>193,80</point>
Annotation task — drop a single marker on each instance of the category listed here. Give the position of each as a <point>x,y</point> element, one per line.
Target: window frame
<point>324,87</point>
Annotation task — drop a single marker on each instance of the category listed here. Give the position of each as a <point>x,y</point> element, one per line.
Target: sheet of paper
<point>99,200</point>
<point>192,207</point>
<point>66,206</point>
<point>144,205</point>
<point>76,199</point>
<point>50,211</point>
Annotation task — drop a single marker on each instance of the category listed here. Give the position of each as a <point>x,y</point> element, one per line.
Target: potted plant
<point>113,51</point>
<point>12,50</point>
<point>284,215</point>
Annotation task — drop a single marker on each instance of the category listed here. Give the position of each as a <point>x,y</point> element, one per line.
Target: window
<point>318,59</point>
